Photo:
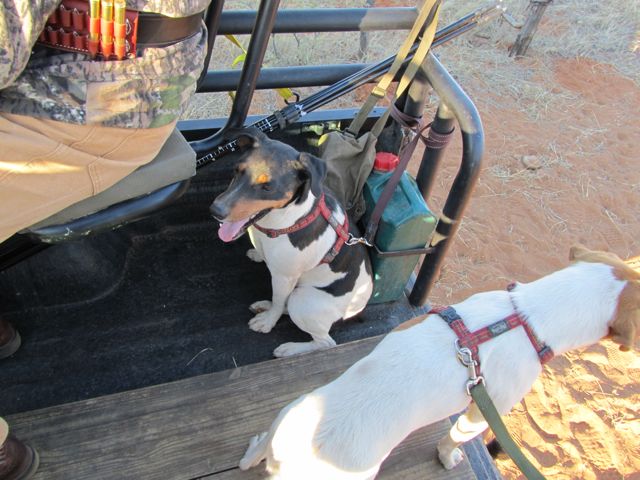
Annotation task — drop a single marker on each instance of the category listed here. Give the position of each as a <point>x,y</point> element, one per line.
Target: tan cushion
<point>176,161</point>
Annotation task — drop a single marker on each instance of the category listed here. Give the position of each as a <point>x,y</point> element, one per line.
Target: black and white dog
<point>300,231</point>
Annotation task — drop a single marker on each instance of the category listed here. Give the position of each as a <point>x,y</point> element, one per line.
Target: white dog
<point>345,430</point>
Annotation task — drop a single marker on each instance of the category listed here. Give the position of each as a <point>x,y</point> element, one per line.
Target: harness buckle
<point>449,315</point>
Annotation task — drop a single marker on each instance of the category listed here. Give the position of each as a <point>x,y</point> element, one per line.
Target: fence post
<point>529,28</point>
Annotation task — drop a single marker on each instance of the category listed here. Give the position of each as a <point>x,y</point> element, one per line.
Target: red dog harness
<point>320,209</point>
<point>468,342</point>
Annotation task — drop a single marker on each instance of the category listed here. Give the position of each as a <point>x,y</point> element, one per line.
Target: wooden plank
<point>196,427</point>
<point>414,459</point>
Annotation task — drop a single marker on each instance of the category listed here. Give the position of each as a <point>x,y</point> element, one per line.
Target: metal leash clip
<point>473,382</point>
<point>355,240</point>
<point>465,355</point>
<point>408,134</point>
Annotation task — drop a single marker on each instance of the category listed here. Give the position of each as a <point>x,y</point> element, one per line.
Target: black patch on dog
<point>348,261</point>
<point>305,237</point>
<point>313,172</point>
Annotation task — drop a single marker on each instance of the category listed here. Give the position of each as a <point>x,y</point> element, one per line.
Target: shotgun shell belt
<point>107,30</point>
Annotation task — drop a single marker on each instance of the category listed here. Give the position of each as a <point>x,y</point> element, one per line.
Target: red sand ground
<point>581,418</point>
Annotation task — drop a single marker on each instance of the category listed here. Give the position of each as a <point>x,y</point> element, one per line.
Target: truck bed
<point>137,360</point>
<point>200,427</point>
<point>155,301</point>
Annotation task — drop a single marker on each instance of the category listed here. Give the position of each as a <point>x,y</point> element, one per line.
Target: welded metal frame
<point>265,19</point>
<point>304,20</point>
<point>310,21</point>
<point>455,106</point>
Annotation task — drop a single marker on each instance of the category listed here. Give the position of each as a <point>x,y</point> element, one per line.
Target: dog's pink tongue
<point>228,230</point>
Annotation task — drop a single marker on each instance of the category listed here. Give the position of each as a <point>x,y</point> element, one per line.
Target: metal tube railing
<point>443,123</point>
<point>468,118</point>
<point>225,80</point>
<point>329,20</point>
<point>212,20</point>
<point>248,78</point>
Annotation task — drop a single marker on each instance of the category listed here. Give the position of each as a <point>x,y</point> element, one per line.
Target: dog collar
<point>472,340</point>
<point>320,208</point>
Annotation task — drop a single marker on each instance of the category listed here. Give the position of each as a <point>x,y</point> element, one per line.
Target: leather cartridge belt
<point>106,30</point>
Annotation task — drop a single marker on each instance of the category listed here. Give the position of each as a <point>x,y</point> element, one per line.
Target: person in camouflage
<point>71,127</point>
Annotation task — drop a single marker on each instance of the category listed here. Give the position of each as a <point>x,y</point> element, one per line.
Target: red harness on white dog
<point>470,341</point>
<point>320,209</point>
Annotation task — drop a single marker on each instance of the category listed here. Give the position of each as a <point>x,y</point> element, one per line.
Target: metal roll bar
<point>454,104</point>
<point>330,20</point>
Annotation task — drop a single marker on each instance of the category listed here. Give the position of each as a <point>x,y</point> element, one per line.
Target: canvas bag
<point>350,157</point>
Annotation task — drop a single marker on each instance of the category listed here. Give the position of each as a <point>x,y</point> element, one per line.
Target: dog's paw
<point>298,348</point>
<point>289,349</point>
<point>263,322</point>
<point>260,306</point>
<point>254,255</point>
<point>450,459</point>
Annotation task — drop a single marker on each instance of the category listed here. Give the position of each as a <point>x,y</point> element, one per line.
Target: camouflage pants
<point>45,165</point>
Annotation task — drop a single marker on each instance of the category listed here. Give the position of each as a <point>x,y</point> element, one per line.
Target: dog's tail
<point>256,452</point>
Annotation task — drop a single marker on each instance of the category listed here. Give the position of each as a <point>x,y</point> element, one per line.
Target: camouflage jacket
<point>145,92</point>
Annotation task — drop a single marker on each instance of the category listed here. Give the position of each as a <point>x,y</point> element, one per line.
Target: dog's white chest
<point>282,256</point>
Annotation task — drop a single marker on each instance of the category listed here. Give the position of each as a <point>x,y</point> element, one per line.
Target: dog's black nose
<point>218,211</point>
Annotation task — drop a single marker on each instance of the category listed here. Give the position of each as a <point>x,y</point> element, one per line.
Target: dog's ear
<point>313,171</point>
<point>246,138</point>
<point>625,328</point>
<point>622,270</point>
<point>578,251</point>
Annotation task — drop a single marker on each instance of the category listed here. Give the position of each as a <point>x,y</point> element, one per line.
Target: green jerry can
<point>406,223</point>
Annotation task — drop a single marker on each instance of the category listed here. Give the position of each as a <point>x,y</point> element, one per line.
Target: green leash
<point>491,415</point>
<point>466,346</point>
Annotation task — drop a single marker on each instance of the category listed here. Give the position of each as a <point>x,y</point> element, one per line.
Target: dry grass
<point>604,31</point>
<point>292,50</point>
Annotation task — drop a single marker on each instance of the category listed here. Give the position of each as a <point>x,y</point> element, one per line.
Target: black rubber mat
<point>155,301</point>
